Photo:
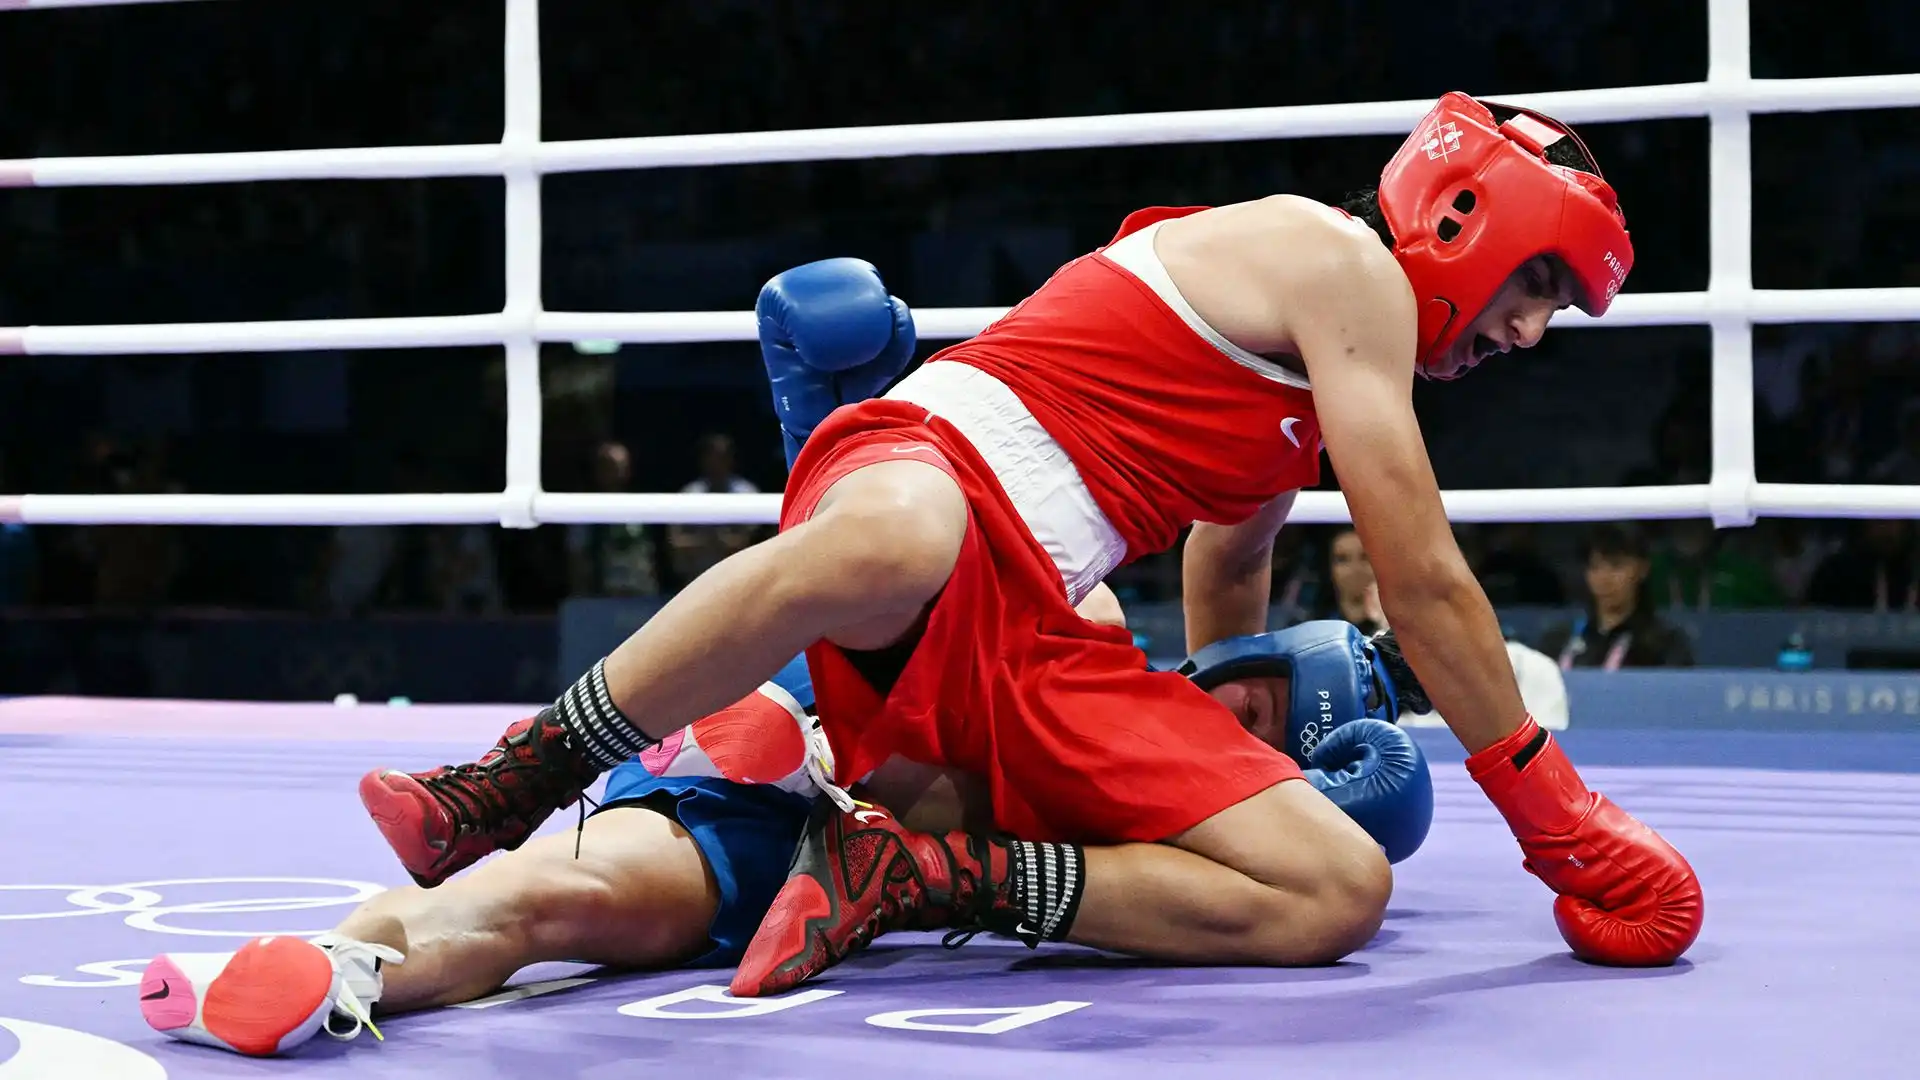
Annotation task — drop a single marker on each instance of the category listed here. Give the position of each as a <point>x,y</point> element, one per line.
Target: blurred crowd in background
<point>1836,202</point>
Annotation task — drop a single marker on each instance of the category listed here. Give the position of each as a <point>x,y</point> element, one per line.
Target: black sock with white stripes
<point>600,731</point>
<point>1046,883</point>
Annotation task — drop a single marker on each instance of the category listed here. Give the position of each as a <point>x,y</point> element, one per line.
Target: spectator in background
<point>381,567</point>
<point>1796,549</point>
<point>1682,446</point>
<point>1697,569</point>
<point>135,566</point>
<point>1620,628</point>
<point>612,560</point>
<point>1847,420</point>
<point>1872,571</point>
<point>698,547</point>
<point>1356,594</point>
<point>355,565</point>
<point>465,571</point>
<point>1903,465</point>
<point>1513,572</point>
<point>1297,582</point>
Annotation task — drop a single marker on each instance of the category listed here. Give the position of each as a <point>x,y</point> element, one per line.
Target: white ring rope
<point>6,5</point>
<point>1728,98</point>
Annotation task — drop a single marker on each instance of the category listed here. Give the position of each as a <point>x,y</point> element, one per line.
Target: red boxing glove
<point>1626,897</point>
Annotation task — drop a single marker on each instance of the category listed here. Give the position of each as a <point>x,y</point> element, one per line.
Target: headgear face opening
<point>1469,201</point>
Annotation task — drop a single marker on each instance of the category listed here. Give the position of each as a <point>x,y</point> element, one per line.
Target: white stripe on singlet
<point>1045,487</point>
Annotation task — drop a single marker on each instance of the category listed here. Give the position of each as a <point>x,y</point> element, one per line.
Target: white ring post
<point>520,146</point>
<point>1730,276</point>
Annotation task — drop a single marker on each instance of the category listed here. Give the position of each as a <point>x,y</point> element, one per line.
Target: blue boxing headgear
<point>1334,670</point>
<point>1344,698</point>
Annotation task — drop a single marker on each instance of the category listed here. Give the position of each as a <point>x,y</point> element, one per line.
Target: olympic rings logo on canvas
<point>143,905</point>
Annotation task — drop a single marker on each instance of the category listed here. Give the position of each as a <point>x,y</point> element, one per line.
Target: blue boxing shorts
<point>746,832</point>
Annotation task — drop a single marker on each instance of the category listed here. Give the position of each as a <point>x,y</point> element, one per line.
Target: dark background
<point>97,610</point>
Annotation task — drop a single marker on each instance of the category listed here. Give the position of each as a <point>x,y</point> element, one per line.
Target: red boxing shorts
<point>1076,738</point>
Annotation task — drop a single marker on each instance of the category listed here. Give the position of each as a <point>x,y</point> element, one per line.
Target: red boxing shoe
<point>861,874</point>
<point>444,820</point>
<point>1625,896</point>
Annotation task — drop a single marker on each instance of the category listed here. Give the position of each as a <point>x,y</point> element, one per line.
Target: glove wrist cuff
<point>1529,779</point>
<point>1502,752</point>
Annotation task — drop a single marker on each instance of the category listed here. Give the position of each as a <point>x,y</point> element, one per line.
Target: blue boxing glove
<point>830,336</point>
<point>1377,774</point>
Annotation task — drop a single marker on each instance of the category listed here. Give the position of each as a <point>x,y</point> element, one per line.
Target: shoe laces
<point>820,767</point>
<point>976,926</point>
<point>973,912</point>
<point>969,913</point>
<point>349,950</point>
<point>953,939</point>
<point>474,796</point>
<point>348,1004</point>
<point>580,830</point>
<point>890,910</point>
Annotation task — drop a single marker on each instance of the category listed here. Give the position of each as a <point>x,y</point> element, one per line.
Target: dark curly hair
<point>1411,695</point>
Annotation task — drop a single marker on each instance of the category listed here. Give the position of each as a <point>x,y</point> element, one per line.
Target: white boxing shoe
<point>767,737</point>
<point>269,997</point>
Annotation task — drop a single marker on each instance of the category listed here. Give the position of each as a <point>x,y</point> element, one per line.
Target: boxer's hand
<point>830,335</point>
<point>1376,773</point>
<point>1626,897</point>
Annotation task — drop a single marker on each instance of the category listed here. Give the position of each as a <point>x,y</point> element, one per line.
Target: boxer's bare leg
<point>879,548</point>
<point>930,798</point>
<point>1101,606</point>
<point>1281,878</point>
<point>639,895</point>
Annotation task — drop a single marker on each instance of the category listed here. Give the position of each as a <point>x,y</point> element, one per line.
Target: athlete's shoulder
<point>1314,257</point>
<point>1284,238</point>
<point>1317,238</point>
<point>1152,215</point>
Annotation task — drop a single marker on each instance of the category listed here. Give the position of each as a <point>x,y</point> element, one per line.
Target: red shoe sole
<point>402,810</point>
<point>269,997</point>
<point>270,988</point>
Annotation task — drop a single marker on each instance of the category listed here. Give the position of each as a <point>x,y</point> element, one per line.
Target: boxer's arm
<point>1226,575</point>
<point>1358,337</point>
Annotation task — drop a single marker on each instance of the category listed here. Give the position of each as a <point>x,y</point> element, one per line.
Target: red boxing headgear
<point>1469,201</point>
